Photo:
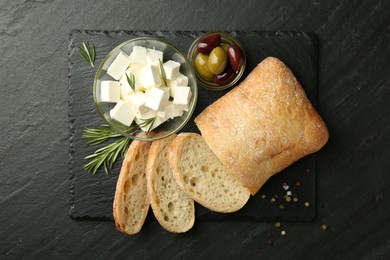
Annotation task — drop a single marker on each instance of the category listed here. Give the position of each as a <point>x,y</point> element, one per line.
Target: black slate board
<point>91,197</point>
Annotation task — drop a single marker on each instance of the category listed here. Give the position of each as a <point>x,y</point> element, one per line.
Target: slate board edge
<point>71,127</point>
<point>313,37</point>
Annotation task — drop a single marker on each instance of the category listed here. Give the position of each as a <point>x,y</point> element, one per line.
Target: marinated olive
<point>225,47</point>
<point>217,60</point>
<point>236,58</point>
<point>202,67</point>
<point>207,44</point>
<point>226,77</point>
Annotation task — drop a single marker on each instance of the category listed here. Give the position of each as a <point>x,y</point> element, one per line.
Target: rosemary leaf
<point>105,167</point>
<point>99,135</point>
<point>93,54</point>
<point>88,53</point>
<point>163,75</point>
<point>148,122</point>
<point>131,81</point>
<point>151,124</point>
<point>107,155</point>
<point>91,156</point>
<point>83,54</point>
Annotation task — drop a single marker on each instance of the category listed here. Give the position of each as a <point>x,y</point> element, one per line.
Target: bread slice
<point>131,202</point>
<point>203,177</point>
<point>173,209</point>
<point>263,125</point>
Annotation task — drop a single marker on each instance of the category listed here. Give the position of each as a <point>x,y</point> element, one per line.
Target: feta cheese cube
<point>157,121</point>
<point>153,57</point>
<point>157,98</point>
<point>161,114</point>
<point>138,99</point>
<point>182,95</point>
<point>109,91</point>
<point>125,86</point>
<point>183,107</point>
<point>119,65</point>
<point>138,56</point>
<point>147,115</point>
<point>126,98</point>
<point>123,113</point>
<point>181,80</point>
<point>142,120</point>
<point>148,92</point>
<point>172,90</point>
<point>138,77</point>
<point>172,69</point>
<point>150,76</point>
<point>172,111</point>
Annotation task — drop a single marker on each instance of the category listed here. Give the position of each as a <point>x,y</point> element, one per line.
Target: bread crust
<point>155,149</point>
<point>133,158</point>
<point>173,157</point>
<point>263,125</point>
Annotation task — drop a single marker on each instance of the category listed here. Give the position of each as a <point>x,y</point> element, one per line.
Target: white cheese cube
<point>119,65</point>
<point>126,98</point>
<point>172,90</point>
<point>155,124</point>
<point>138,99</point>
<point>182,95</point>
<point>123,113</point>
<point>170,85</point>
<point>143,119</point>
<point>138,56</point>
<point>147,115</point>
<point>153,57</point>
<point>157,98</point>
<point>109,91</point>
<point>161,114</point>
<point>183,107</point>
<point>181,80</point>
<point>172,69</point>
<point>172,111</point>
<point>148,92</point>
<point>125,86</point>
<point>136,71</point>
<point>150,76</point>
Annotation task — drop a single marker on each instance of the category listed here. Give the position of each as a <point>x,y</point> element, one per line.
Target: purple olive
<point>236,58</point>
<point>225,77</point>
<point>207,44</point>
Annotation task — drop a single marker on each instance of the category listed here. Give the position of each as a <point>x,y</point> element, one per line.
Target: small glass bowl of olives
<point>219,60</point>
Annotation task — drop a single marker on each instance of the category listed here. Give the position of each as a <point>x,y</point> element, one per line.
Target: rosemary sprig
<point>131,81</point>
<point>147,122</point>
<point>99,134</point>
<point>108,154</point>
<point>163,75</point>
<point>88,53</point>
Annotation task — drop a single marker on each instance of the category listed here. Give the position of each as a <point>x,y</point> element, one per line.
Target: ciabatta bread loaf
<point>203,177</point>
<point>173,209</point>
<point>263,125</point>
<point>131,202</point>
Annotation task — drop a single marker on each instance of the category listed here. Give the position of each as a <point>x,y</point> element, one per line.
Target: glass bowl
<point>170,53</point>
<point>227,39</point>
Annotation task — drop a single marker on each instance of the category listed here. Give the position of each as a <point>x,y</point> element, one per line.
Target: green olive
<point>225,47</point>
<point>201,66</point>
<point>217,60</point>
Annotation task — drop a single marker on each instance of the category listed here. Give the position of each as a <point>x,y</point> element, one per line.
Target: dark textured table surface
<point>353,169</point>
